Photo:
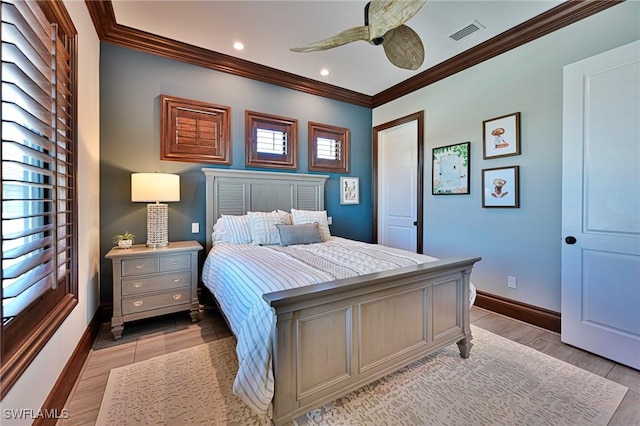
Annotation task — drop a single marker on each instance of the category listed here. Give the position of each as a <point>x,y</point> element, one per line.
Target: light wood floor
<point>149,338</point>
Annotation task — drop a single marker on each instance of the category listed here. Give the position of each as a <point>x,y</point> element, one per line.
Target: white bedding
<point>239,274</point>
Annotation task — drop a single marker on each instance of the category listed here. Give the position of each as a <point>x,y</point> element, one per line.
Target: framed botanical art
<point>501,187</point>
<point>501,136</point>
<point>450,171</point>
<point>349,190</point>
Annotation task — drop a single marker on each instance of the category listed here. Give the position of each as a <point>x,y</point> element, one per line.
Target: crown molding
<point>109,31</point>
<point>554,19</point>
<point>57,12</point>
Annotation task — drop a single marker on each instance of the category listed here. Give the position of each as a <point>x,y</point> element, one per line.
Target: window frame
<point>195,150</point>
<point>341,134</point>
<point>25,335</point>
<point>288,126</point>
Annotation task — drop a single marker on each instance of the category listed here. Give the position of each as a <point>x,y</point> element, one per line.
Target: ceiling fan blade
<point>404,48</point>
<point>385,15</point>
<point>344,37</point>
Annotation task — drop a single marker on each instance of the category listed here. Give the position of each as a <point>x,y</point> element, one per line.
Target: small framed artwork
<point>501,187</point>
<point>349,190</point>
<point>501,136</point>
<point>450,171</point>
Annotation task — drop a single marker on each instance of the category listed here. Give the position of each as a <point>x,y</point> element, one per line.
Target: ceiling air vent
<point>467,30</point>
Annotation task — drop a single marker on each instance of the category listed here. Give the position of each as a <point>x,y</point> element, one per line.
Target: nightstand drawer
<point>132,305</point>
<point>140,266</point>
<point>175,263</point>
<point>147,284</point>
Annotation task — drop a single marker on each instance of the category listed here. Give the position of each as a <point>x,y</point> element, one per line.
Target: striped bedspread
<point>239,274</point>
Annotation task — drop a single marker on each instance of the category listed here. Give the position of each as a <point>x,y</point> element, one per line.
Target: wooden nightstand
<point>148,282</point>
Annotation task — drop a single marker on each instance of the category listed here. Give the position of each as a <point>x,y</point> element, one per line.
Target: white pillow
<point>301,217</point>
<point>237,229</point>
<point>263,226</point>
<point>219,231</point>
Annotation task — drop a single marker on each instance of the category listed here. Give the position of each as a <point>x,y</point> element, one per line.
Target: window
<point>195,131</point>
<point>328,148</point>
<point>39,218</point>
<point>271,141</point>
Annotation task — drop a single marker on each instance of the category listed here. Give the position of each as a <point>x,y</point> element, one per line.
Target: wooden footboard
<point>335,337</point>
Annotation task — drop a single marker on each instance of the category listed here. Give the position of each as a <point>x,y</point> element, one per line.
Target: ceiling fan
<point>383,24</point>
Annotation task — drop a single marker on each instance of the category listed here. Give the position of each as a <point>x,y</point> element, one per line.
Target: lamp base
<point>157,225</point>
<point>151,245</point>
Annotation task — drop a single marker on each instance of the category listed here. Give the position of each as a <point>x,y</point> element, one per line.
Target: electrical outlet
<point>511,282</point>
<point>329,220</point>
<point>195,228</point>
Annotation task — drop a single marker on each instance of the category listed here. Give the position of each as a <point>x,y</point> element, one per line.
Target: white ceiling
<point>269,28</point>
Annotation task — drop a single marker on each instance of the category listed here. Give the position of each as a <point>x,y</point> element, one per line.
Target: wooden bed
<point>334,337</point>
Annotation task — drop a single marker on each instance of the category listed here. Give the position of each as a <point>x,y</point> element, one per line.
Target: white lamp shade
<point>152,187</point>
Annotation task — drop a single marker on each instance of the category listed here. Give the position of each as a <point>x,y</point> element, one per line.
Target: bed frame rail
<point>329,335</point>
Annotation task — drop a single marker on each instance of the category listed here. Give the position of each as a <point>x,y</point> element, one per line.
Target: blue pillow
<point>307,233</point>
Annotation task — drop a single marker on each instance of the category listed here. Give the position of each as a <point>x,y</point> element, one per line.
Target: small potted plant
<point>124,241</point>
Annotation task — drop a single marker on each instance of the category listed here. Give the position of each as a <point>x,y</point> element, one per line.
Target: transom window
<point>328,148</point>
<point>194,131</point>
<point>271,141</point>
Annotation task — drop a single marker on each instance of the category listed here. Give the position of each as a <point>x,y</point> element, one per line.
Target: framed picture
<point>349,190</point>
<point>501,136</point>
<point>450,171</point>
<point>501,187</point>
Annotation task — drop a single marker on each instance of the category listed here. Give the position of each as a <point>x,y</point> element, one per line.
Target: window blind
<point>38,160</point>
<point>197,128</point>
<point>194,131</point>
<point>271,141</point>
<point>328,149</point>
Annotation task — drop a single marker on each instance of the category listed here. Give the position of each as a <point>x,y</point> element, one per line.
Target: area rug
<point>501,383</point>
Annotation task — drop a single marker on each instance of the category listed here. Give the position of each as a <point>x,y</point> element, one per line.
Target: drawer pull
<point>137,285</point>
<point>140,266</point>
<point>176,262</point>
<point>177,296</point>
<point>177,280</point>
<point>138,303</point>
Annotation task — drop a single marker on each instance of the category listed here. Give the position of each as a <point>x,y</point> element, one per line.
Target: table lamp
<point>156,187</point>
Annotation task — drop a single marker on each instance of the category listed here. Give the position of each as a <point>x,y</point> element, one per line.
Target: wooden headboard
<point>239,191</point>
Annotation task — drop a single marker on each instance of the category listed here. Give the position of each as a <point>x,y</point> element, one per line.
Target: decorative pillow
<point>237,229</point>
<point>307,233</point>
<point>301,217</point>
<point>263,226</point>
<point>289,218</point>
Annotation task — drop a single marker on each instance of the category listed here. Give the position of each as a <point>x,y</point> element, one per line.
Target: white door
<point>601,205</point>
<point>398,186</point>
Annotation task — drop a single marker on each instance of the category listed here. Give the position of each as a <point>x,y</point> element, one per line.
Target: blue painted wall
<point>130,87</point>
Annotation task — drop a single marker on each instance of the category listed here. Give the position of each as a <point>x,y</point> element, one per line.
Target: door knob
<point>570,240</point>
